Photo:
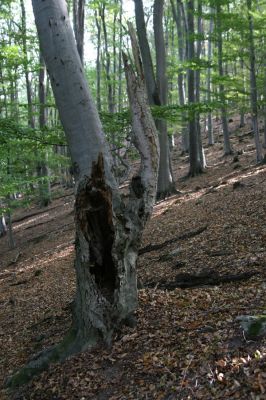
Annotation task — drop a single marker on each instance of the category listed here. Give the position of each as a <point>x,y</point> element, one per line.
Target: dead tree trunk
<point>108,231</point>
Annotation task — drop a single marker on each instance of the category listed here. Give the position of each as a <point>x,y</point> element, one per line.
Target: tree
<point>156,87</point>
<point>194,154</point>
<point>253,84</point>
<point>108,230</point>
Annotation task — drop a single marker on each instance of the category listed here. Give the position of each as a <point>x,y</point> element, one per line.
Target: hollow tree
<point>108,228</point>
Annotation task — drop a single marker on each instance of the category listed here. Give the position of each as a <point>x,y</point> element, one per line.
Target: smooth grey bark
<point>152,89</point>
<point>42,168</point>
<point>227,145</point>
<point>98,61</point>
<point>31,120</point>
<point>78,24</point>
<point>197,84</point>
<point>107,62</point>
<point>194,156</point>
<point>209,123</point>
<point>253,84</point>
<point>108,230</point>
<point>3,228</point>
<point>182,53</point>
<point>165,180</point>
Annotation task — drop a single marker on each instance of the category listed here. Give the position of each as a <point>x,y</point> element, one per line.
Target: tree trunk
<point>78,23</point>
<point>253,85</point>
<point>227,146</point>
<point>165,180</point>
<point>182,43</point>
<point>210,128</point>
<point>3,228</point>
<point>42,168</point>
<point>194,156</point>
<point>156,88</point>
<point>108,231</point>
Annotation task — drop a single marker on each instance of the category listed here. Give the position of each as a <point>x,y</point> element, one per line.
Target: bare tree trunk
<point>42,168</point>
<point>210,129</point>
<point>253,85</point>
<point>182,53</point>
<point>108,231</point>
<point>98,61</point>
<point>3,228</point>
<point>78,23</point>
<point>227,146</point>
<point>165,180</point>
<point>194,156</point>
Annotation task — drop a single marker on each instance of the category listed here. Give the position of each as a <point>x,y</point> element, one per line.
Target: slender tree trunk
<point>42,168</point>
<point>78,23</point>
<point>3,228</point>
<point>253,84</point>
<point>194,157</point>
<point>227,145</point>
<point>108,231</point>
<point>98,61</point>
<point>31,121</point>
<point>165,180</point>
<point>210,128</point>
<point>182,39</point>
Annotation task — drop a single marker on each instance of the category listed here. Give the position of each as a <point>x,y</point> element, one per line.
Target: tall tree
<point>108,231</point>
<point>227,145</point>
<point>194,154</point>
<point>253,84</point>
<point>157,95</point>
<point>78,23</point>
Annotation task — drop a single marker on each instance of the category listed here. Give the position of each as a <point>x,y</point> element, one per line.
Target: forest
<point>132,199</point>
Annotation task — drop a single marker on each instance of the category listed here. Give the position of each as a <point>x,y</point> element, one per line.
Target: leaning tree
<point>108,226</point>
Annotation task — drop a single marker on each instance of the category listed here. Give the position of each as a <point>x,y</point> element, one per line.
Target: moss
<point>257,327</point>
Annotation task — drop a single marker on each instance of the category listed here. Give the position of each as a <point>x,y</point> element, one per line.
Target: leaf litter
<point>187,343</point>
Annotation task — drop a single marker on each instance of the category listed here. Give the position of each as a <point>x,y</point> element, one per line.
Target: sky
<point>89,50</point>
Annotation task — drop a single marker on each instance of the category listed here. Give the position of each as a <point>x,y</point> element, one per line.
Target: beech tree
<point>108,229</point>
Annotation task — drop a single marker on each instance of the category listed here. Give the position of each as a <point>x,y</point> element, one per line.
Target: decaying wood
<point>206,278</point>
<point>184,236</point>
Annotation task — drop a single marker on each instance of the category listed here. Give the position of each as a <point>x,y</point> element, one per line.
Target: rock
<point>171,255</point>
<point>237,185</point>
<point>254,326</point>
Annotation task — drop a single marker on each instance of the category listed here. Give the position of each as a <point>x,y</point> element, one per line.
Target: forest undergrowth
<point>187,343</point>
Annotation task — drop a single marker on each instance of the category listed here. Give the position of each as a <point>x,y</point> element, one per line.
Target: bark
<point>42,168</point>
<point>156,88</point>
<point>98,62</point>
<point>31,121</point>
<point>182,53</point>
<point>210,128</point>
<point>253,85</point>
<point>227,145</point>
<point>108,231</point>
<point>165,180</point>
<point>111,106</point>
<point>3,228</point>
<point>78,23</point>
<point>194,156</point>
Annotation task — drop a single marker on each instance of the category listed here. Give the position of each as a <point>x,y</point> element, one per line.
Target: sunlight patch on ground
<point>41,262</point>
<point>30,221</point>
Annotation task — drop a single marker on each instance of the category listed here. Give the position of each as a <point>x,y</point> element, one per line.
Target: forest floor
<point>187,343</point>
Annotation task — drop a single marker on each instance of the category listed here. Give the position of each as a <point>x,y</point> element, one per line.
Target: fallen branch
<point>187,235</point>
<point>208,278</point>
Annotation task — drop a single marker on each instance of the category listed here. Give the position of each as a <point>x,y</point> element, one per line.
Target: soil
<point>187,343</point>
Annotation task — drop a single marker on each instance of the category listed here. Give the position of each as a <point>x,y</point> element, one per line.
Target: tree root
<point>41,362</point>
